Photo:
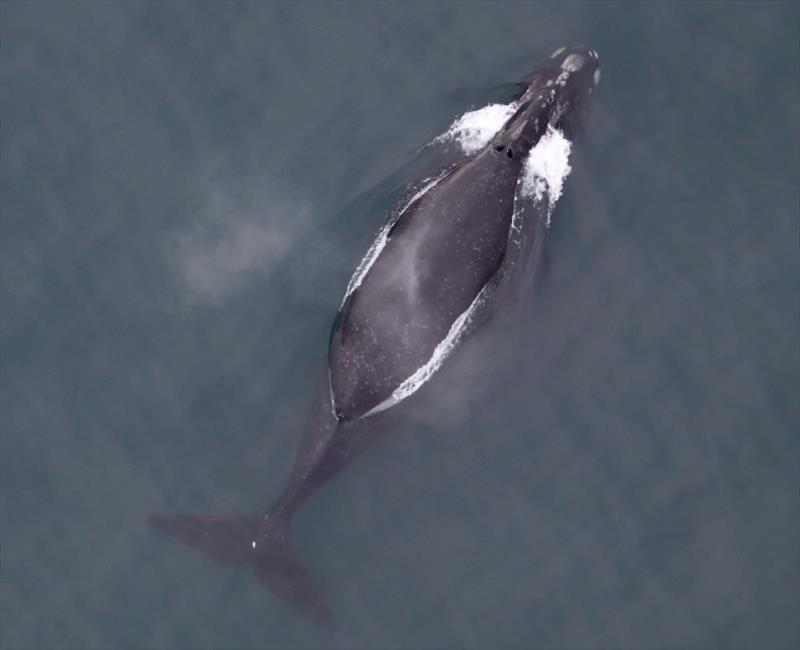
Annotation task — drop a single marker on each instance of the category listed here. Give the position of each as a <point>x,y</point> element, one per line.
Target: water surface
<point>184,192</point>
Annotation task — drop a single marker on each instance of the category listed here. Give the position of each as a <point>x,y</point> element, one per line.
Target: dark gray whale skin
<point>450,249</point>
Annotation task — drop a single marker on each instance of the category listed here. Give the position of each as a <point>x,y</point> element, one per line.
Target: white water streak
<point>380,241</point>
<point>440,353</point>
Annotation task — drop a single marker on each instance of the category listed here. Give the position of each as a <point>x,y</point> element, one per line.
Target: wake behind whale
<point>452,249</point>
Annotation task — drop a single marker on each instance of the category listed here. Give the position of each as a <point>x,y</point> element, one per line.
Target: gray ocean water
<point>184,191</point>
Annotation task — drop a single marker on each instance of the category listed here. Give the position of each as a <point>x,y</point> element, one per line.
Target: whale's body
<point>428,274</point>
<point>448,251</point>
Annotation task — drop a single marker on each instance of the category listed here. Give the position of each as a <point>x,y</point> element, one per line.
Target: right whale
<point>450,251</point>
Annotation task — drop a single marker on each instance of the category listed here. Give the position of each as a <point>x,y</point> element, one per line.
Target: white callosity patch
<point>546,168</point>
<point>573,62</point>
<point>473,130</point>
<point>570,64</point>
<point>597,76</point>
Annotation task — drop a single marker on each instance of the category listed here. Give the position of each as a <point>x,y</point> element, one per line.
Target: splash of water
<point>547,165</point>
<point>546,168</point>
<point>474,129</point>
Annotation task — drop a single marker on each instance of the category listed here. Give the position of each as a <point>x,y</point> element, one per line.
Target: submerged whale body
<point>447,253</point>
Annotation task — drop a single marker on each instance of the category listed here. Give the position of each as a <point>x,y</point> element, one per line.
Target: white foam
<point>366,263</point>
<point>440,353</point>
<point>474,129</point>
<point>546,169</point>
<point>427,185</point>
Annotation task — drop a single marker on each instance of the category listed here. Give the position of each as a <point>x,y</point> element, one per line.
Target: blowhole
<point>500,147</point>
<point>510,153</point>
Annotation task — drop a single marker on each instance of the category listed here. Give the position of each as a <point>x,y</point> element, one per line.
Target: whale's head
<point>571,74</point>
<point>558,95</point>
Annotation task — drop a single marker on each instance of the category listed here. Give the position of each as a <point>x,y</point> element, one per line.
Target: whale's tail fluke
<point>261,542</point>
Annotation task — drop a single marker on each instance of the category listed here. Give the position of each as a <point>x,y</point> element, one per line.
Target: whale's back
<point>440,253</point>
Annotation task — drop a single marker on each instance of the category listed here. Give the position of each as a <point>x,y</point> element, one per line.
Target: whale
<point>455,246</point>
